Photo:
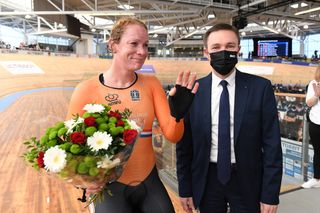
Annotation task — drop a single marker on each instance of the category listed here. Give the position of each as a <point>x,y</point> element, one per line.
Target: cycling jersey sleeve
<point>171,129</point>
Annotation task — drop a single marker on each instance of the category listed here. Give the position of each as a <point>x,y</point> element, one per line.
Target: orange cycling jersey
<point>147,100</point>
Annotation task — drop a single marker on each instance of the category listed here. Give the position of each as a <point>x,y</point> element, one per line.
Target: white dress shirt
<point>315,109</point>
<point>216,90</point>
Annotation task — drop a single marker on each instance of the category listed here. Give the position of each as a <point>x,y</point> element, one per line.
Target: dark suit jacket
<point>256,139</point>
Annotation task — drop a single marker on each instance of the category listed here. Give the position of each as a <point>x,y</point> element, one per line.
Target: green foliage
<point>93,171</point>
<point>81,159</point>
<point>53,134</point>
<point>100,120</point>
<point>113,120</point>
<point>62,131</point>
<point>96,115</point>
<point>59,125</point>
<point>103,127</point>
<point>126,113</point>
<point>51,143</point>
<point>75,149</point>
<point>86,115</point>
<point>33,148</point>
<point>89,131</point>
<point>83,168</point>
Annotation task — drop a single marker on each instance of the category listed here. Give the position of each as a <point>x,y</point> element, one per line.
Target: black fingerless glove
<point>180,102</point>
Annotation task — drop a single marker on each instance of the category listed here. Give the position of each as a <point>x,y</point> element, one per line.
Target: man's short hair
<point>217,27</point>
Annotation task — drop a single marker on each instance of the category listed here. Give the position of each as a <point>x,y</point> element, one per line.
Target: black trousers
<point>149,196</point>
<point>314,132</point>
<point>217,197</point>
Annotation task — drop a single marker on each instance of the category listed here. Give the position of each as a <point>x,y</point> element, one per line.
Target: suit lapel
<point>205,104</point>
<point>241,94</point>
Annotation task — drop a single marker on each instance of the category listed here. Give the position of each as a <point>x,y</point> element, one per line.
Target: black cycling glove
<point>180,102</point>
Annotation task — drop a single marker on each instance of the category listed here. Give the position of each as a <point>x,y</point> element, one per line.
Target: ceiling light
<point>303,4</point>
<point>243,33</point>
<point>211,16</point>
<point>190,34</point>
<point>27,16</point>
<point>305,26</point>
<point>307,11</point>
<point>252,25</point>
<point>295,6</point>
<point>93,30</point>
<point>125,7</point>
<point>270,29</point>
<point>158,29</point>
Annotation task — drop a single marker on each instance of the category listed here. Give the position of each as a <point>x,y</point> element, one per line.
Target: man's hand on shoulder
<point>266,208</point>
<point>187,204</point>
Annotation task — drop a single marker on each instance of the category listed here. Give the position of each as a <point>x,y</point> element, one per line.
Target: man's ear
<point>112,46</point>
<point>206,53</point>
<point>239,49</point>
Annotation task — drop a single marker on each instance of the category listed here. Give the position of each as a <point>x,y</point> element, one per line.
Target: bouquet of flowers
<point>86,151</point>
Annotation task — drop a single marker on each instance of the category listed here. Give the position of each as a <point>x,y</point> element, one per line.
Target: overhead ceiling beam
<point>286,15</point>
<point>48,32</point>
<point>63,5</point>
<point>269,7</point>
<point>275,30</point>
<point>53,4</point>
<point>192,33</point>
<point>176,24</point>
<point>120,4</point>
<point>88,5</point>
<point>170,17</point>
<point>99,13</point>
<point>248,5</point>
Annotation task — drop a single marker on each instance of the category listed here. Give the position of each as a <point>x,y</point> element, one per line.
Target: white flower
<point>55,159</point>
<point>70,124</point>
<point>93,108</point>
<point>99,140</point>
<point>107,163</point>
<point>134,125</point>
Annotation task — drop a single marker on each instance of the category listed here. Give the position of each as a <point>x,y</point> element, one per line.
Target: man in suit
<point>230,153</point>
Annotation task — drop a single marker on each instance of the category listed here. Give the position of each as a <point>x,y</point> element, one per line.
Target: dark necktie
<point>224,151</point>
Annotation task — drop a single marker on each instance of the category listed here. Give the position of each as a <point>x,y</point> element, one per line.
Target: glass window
<point>11,36</point>
<point>295,47</point>
<point>311,45</point>
<point>246,47</point>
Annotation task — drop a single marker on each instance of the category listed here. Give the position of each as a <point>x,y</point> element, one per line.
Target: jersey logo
<point>112,99</point>
<point>135,95</point>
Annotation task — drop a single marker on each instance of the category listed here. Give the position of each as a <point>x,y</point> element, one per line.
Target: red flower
<point>129,136</point>
<point>40,160</point>
<point>90,121</point>
<point>120,123</point>
<point>114,114</point>
<point>78,138</point>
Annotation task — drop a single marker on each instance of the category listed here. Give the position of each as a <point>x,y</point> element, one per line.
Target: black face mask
<point>223,61</point>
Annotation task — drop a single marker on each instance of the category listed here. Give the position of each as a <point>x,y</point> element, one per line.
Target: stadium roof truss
<point>176,19</point>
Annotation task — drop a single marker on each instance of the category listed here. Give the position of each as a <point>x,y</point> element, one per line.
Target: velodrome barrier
<point>67,71</point>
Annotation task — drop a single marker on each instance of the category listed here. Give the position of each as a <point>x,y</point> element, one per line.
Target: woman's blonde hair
<point>317,74</point>
<point>120,26</point>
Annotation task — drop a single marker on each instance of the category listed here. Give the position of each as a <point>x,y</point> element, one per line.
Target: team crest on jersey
<point>112,99</point>
<point>135,95</point>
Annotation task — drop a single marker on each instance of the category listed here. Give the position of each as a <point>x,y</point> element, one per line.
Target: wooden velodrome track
<point>22,189</point>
